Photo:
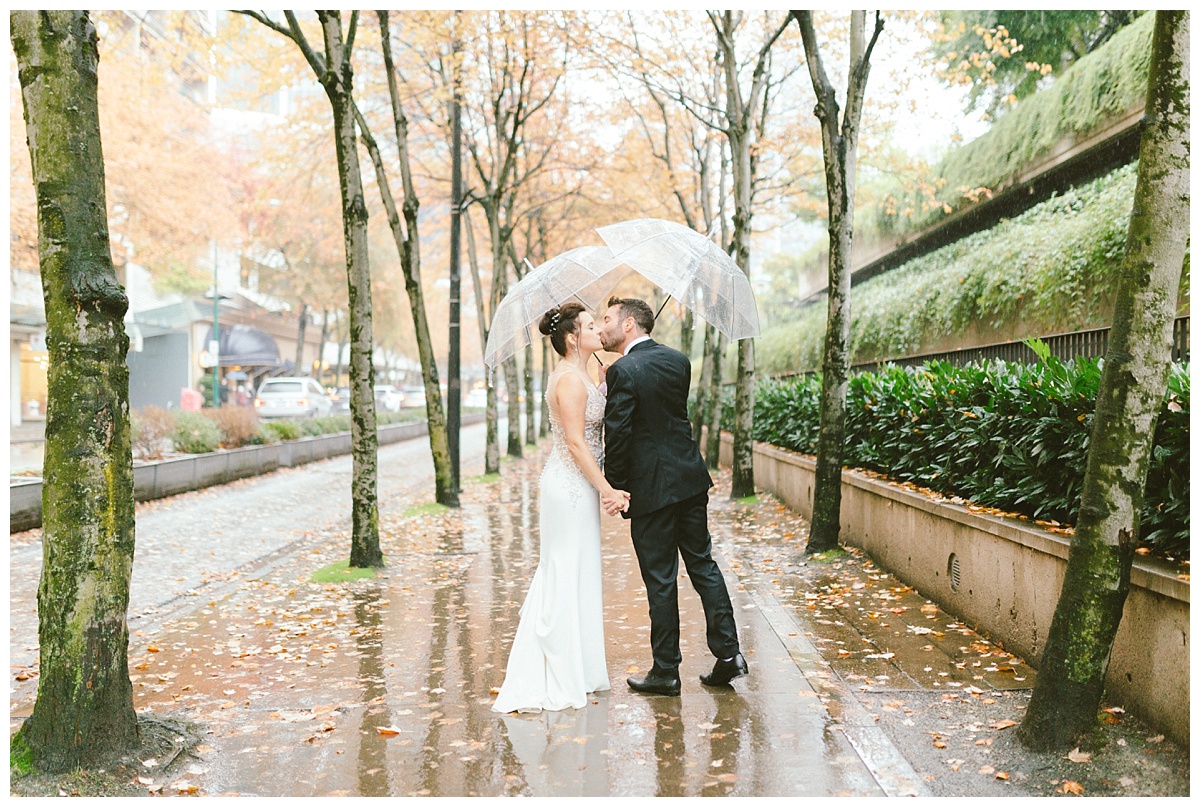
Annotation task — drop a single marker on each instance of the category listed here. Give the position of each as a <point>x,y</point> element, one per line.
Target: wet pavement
<point>200,542</point>
<point>384,686</point>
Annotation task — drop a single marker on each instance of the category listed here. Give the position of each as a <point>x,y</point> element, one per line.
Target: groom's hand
<point>616,502</point>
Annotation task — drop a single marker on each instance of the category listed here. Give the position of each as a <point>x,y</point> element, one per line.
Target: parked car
<point>413,398</point>
<point>388,398</point>
<point>476,399</point>
<point>339,401</point>
<point>290,397</point>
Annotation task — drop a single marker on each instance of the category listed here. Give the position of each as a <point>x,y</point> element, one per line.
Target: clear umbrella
<point>586,274</point>
<point>689,267</point>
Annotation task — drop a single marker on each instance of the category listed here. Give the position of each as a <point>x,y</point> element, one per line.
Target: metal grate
<point>954,571</point>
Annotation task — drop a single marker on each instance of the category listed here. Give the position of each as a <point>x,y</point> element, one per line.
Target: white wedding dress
<point>557,656</point>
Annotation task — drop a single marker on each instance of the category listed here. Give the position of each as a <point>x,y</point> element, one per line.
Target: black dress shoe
<point>655,683</point>
<point>725,671</point>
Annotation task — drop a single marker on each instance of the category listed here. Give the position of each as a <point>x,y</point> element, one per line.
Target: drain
<point>954,572</point>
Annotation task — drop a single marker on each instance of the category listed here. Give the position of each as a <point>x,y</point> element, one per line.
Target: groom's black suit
<point>649,451</point>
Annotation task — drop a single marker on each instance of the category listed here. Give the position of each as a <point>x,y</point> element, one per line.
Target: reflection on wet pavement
<point>384,686</point>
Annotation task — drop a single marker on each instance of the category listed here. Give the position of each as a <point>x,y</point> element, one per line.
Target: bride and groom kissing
<point>624,446</point>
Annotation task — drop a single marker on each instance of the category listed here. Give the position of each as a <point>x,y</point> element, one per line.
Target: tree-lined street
<point>967,276</point>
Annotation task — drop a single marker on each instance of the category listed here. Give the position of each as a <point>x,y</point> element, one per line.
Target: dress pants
<point>660,538</point>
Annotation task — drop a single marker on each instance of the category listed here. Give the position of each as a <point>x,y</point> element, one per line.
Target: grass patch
<point>341,572</point>
<point>748,500</point>
<point>430,508</point>
<point>20,756</point>
<point>484,479</point>
<point>829,555</point>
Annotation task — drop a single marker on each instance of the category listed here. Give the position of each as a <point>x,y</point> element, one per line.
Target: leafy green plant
<point>1005,435</point>
<point>194,433</point>
<point>283,429</point>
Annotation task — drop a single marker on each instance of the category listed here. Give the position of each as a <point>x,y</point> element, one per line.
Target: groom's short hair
<point>633,307</point>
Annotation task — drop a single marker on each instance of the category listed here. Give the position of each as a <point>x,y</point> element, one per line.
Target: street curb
<point>889,767</point>
<point>163,478</point>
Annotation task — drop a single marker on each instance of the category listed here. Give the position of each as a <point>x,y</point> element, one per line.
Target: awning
<point>246,346</point>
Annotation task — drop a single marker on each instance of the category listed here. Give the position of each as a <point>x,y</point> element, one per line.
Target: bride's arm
<point>572,403</point>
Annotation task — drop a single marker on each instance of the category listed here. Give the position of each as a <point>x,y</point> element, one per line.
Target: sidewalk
<point>384,686</point>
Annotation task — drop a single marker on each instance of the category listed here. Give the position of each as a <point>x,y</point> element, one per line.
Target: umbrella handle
<point>598,360</point>
<point>664,305</point>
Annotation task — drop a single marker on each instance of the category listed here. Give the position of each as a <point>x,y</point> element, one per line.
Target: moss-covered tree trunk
<point>839,144</point>
<point>543,403</point>
<point>743,116</point>
<point>336,76</point>
<point>530,399</point>
<point>716,405</point>
<point>84,709</point>
<point>408,245</point>
<point>1070,680</point>
<point>491,454</point>
<point>700,410</point>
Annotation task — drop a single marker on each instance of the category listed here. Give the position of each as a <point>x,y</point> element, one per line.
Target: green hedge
<point>1010,436</point>
<point>1100,87</point>
<point>1051,269</point>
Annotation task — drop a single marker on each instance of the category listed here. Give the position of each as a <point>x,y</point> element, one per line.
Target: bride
<point>557,656</point>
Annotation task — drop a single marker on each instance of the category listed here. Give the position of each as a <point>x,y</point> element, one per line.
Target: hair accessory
<point>554,318</point>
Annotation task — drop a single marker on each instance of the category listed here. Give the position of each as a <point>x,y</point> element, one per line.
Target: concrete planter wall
<point>155,480</point>
<point>1008,577</point>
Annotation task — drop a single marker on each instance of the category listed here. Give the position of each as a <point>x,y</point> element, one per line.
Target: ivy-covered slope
<point>1051,269</point>
<point>1100,88</point>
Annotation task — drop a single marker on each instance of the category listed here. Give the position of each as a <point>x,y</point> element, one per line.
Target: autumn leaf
<point>939,744</point>
<point>1072,787</point>
<point>1002,724</point>
<point>1075,755</point>
<point>388,731</point>
<point>1002,775</point>
<point>987,769</point>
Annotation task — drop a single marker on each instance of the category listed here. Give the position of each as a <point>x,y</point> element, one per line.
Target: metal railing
<point>1064,346</point>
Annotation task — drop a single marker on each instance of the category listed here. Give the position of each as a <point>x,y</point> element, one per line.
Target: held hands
<point>614,501</point>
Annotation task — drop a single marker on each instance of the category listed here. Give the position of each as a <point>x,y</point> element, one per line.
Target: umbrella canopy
<point>585,274</point>
<point>689,267</point>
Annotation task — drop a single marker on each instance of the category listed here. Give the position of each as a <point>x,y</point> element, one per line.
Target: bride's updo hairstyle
<point>558,322</point>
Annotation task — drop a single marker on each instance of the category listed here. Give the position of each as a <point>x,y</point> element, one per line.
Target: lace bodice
<point>561,463</point>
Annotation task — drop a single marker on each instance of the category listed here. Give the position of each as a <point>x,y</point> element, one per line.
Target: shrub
<point>238,424</point>
<point>152,426</point>
<point>1011,436</point>
<point>194,433</point>
<point>282,429</point>
<point>264,436</point>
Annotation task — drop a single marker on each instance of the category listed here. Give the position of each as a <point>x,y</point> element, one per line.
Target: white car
<point>413,398</point>
<point>476,399</point>
<point>388,398</point>
<point>291,397</point>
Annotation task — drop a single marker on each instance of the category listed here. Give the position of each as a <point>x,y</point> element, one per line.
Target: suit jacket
<point>648,445</point>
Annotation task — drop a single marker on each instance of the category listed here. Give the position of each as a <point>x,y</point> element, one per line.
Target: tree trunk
<point>716,405</point>
<point>300,330</point>
<point>84,710</point>
<point>1070,680</point>
<point>491,454</point>
<point>544,420</point>
<point>839,144</point>
<point>530,402</point>
<point>700,410</point>
<point>512,383</point>
<point>319,364</point>
<point>364,437</point>
<point>687,332</point>
<point>743,404</point>
<point>409,248</point>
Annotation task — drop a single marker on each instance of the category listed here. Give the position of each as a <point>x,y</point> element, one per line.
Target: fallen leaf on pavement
<point>1002,775</point>
<point>1158,738</point>
<point>1072,787</point>
<point>987,769</point>
<point>388,731</point>
<point>1002,724</point>
<point>1075,755</point>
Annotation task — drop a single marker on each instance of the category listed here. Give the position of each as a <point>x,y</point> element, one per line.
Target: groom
<point>649,451</point>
